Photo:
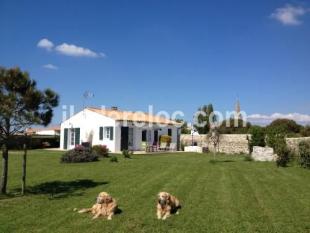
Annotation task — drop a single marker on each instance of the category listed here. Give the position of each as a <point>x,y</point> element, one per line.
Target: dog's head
<point>104,197</point>
<point>164,198</point>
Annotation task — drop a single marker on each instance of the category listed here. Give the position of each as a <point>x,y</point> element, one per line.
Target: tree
<point>285,126</point>
<point>184,127</point>
<point>204,119</point>
<point>257,137</point>
<point>214,137</point>
<point>22,105</point>
<point>229,126</point>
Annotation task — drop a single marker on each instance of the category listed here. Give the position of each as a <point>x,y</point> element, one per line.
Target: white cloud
<point>76,51</point>
<point>50,66</point>
<point>45,44</point>
<point>265,119</point>
<point>289,15</point>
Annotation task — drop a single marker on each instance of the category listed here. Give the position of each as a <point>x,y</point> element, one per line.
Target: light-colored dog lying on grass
<point>105,206</point>
<point>167,204</point>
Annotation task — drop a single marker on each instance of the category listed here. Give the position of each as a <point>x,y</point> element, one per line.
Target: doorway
<point>124,138</point>
<point>155,137</point>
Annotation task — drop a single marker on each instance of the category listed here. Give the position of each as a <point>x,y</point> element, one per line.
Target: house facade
<point>118,130</point>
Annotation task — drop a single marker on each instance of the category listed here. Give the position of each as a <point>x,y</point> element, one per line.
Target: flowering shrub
<point>79,154</point>
<point>165,139</point>
<point>101,150</point>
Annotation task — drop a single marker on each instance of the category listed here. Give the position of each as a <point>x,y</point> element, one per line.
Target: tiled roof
<point>132,116</point>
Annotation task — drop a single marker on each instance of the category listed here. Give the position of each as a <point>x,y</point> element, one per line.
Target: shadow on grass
<point>221,161</point>
<point>62,189</point>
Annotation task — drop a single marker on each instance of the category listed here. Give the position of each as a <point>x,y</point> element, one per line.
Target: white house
<point>118,130</point>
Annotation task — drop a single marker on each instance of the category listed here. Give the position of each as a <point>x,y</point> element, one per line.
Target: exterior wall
<point>89,123</point>
<point>229,143</point>
<point>292,143</point>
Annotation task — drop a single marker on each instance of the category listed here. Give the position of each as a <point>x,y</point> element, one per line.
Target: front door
<point>124,138</point>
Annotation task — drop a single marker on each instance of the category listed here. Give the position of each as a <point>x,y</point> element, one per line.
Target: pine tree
<point>21,105</point>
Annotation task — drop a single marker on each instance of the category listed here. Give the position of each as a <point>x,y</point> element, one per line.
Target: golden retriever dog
<point>167,204</point>
<point>105,206</point>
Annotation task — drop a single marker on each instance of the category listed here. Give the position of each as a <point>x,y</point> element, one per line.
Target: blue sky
<point>175,55</point>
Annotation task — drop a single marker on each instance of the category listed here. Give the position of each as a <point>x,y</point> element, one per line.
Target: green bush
<point>165,139</point>
<point>101,150</point>
<point>113,159</point>
<point>273,136</point>
<point>282,151</point>
<point>127,154</point>
<point>257,137</point>
<point>79,154</point>
<point>304,154</point>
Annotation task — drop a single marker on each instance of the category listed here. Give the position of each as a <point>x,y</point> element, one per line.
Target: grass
<point>225,195</point>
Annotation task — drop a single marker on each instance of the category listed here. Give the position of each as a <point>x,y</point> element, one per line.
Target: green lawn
<point>231,195</point>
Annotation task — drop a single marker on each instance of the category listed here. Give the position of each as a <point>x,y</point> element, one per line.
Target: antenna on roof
<point>87,95</point>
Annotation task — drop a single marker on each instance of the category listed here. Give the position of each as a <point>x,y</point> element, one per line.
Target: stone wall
<point>233,143</point>
<point>292,143</point>
<point>229,143</point>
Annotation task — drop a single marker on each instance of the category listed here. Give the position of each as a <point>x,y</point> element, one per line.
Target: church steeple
<point>237,107</point>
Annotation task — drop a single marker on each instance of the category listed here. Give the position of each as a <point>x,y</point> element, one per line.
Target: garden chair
<point>172,146</point>
<point>163,146</point>
<point>143,146</point>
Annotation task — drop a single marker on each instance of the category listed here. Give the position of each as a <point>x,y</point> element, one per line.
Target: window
<point>130,137</point>
<point>108,132</point>
<point>170,132</point>
<point>143,135</point>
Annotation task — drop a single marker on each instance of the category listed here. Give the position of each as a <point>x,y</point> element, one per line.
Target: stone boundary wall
<point>234,143</point>
<point>229,143</point>
<point>293,143</point>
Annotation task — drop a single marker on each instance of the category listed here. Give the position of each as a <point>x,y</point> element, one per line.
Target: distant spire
<point>237,106</point>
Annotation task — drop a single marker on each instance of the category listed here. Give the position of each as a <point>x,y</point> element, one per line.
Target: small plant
<point>79,154</point>
<point>127,154</point>
<point>304,154</point>
<point>113,159</point>
<point>101,150</point>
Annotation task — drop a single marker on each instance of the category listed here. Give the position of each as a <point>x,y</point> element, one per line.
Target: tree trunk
<point>24,169</point>
<point>5,162</point>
